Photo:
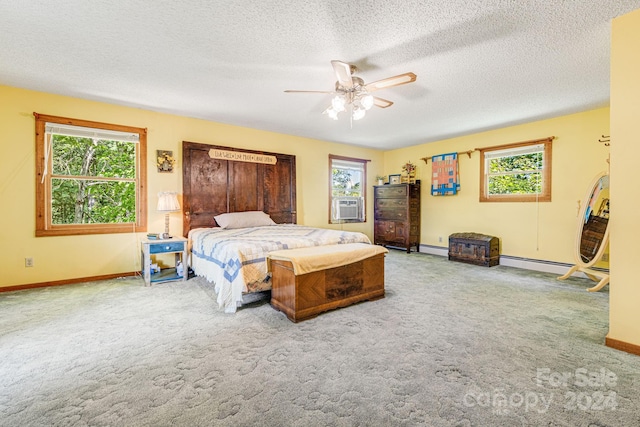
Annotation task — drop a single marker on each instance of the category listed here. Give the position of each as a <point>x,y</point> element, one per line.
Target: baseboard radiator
<point>518,262</point>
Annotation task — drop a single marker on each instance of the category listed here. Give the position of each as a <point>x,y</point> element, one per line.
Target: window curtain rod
<point>468,153</point>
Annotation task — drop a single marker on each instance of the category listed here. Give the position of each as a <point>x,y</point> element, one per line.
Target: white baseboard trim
<point>434,250</point>
<point>517,262</point>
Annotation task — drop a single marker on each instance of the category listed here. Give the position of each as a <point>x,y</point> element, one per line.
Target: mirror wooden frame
<point>600,276</point>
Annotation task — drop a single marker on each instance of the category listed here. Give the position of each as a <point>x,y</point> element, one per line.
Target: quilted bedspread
<point>236,260</point>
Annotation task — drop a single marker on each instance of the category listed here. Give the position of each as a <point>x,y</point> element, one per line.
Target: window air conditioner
<point>347,208</point>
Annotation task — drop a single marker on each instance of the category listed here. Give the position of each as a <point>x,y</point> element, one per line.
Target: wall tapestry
<point>445,177</point>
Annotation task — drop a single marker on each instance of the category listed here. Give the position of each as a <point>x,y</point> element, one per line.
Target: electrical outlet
<point>605,257</point>
<point>28,262</point>
<point>440,239</point>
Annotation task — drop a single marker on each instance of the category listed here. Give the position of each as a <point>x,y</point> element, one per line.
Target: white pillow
<point>243,219</point>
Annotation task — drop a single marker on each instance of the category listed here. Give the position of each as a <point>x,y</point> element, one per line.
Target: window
<point>90,177</point>
<point>347,184</point>
<point>518,172</point>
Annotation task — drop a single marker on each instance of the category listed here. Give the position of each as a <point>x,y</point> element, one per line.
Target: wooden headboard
<point>212,186</point>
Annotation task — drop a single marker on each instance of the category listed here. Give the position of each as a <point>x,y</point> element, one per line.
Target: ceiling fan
<point>351,91</point>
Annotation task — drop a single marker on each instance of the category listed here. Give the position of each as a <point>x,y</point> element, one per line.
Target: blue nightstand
<point>175,245</point>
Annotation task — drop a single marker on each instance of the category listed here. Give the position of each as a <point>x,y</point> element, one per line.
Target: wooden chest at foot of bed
<point>474,248</point>
<point>304,296</point>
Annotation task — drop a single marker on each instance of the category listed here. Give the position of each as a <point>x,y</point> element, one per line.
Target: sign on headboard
<point>239,156</point>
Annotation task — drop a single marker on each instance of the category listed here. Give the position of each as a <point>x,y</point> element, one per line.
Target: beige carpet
<point>451,345</point>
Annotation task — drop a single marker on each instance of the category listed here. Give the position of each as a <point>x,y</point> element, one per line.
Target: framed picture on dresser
<point>394,179</point>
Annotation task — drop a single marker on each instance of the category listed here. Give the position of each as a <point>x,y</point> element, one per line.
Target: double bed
<point>237,211</point>
<point>235,260</point>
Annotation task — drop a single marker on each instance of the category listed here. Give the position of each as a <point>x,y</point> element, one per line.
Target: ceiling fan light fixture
<point>333,114</point>
<point>358,113</point>
<point>338,103</point>
<point>352,93</point>
<point>367,101</point>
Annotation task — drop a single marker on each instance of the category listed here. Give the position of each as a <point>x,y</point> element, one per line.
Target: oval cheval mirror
<point>593,232</point>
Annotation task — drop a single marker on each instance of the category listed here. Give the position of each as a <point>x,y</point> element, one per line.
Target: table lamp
<point>168,202</point>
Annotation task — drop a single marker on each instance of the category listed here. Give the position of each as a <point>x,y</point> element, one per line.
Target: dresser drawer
<point>391,191</point>
<point>391,214</point>
<point>162,247</point>
<point>391,203</point>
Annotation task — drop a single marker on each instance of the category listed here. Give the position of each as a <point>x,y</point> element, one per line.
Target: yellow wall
<point>624,314</point>
<point>62,258</point>
<point>544,231</point>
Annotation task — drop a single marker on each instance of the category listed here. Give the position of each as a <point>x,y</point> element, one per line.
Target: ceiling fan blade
<point>382,103</point>
<point>308,91</point>
<point>398,80</point>
<point>343,73</point>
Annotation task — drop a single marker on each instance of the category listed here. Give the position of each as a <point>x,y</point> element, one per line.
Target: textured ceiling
<point>481,64</point>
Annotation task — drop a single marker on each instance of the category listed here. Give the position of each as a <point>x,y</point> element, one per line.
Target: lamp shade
<point>168,201</point>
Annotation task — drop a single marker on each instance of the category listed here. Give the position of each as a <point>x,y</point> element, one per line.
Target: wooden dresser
<point>397,215</point>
